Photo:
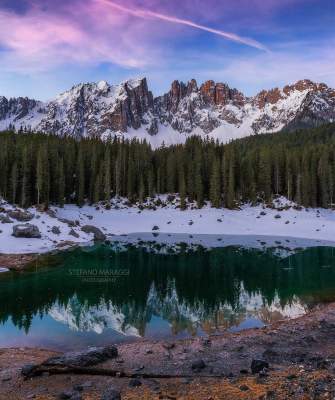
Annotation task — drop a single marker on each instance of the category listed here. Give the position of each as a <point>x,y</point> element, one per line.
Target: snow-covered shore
<point>168,223</point>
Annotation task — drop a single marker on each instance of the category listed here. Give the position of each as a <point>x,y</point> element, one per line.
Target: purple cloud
<point>97,31</point>
<point>88,33</point>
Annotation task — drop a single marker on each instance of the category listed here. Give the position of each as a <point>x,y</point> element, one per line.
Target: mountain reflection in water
<point>98,295</point>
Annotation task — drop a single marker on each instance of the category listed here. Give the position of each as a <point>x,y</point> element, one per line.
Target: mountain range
<point>130,320</point>
<point>211,110</point>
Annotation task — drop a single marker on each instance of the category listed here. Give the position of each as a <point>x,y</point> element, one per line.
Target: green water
<point>98,295</point>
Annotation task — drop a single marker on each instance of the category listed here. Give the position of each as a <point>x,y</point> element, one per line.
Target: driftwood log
<point>38,370</point>
<point>86,363</point>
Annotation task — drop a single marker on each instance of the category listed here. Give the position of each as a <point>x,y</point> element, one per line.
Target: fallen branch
<point>39,370</point>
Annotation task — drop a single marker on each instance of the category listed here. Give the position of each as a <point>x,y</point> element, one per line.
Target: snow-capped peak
<point>102,85</point>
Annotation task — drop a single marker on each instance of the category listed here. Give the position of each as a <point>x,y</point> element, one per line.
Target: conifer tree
<point>230,198</point>
<point>80,177</point>
<point>298,196</point>
<point>25,191</point>
<point>97,184</point>
<point>61,183</point>
<point>314,180</point>
<point>141,190</point>
<point>93,173</point>
<point>117,175</point>
<point>182,188</point>
<point>42,176</point>
<point>150,182</point>
<point>289,179</point>
<point>264,175</point>
<point>107,174</point>
<point>14,182</point>
<point>215,186</point>
<point>199,188</point>
<point>158,181</point>
<point>305,188</point>
<point>323,175</point>
<point>130,179</point>
<point>171,173</point>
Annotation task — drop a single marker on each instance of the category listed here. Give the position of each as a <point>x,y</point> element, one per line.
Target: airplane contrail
<point>141,13</point>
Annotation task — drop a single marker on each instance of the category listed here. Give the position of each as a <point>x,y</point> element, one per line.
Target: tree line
<point>42,169</point>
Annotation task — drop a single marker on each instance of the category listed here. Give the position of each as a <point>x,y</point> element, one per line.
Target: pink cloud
<point>84,34</point>
<point>91,32</point>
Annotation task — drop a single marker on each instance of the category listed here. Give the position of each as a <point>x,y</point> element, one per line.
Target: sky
<point>47,46</point>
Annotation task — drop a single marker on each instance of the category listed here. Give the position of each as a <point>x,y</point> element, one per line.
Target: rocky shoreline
<point>17,262</point>
<point>289,359</point>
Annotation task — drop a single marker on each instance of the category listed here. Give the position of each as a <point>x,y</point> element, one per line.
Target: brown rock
<point>267,96</point>
<point>221,94</point>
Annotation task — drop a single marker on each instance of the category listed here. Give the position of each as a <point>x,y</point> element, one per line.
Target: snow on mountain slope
<point>19,112</point>
<point>212,110</point>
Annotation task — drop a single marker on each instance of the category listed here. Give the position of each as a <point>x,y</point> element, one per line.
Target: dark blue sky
<point>47,46</point>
